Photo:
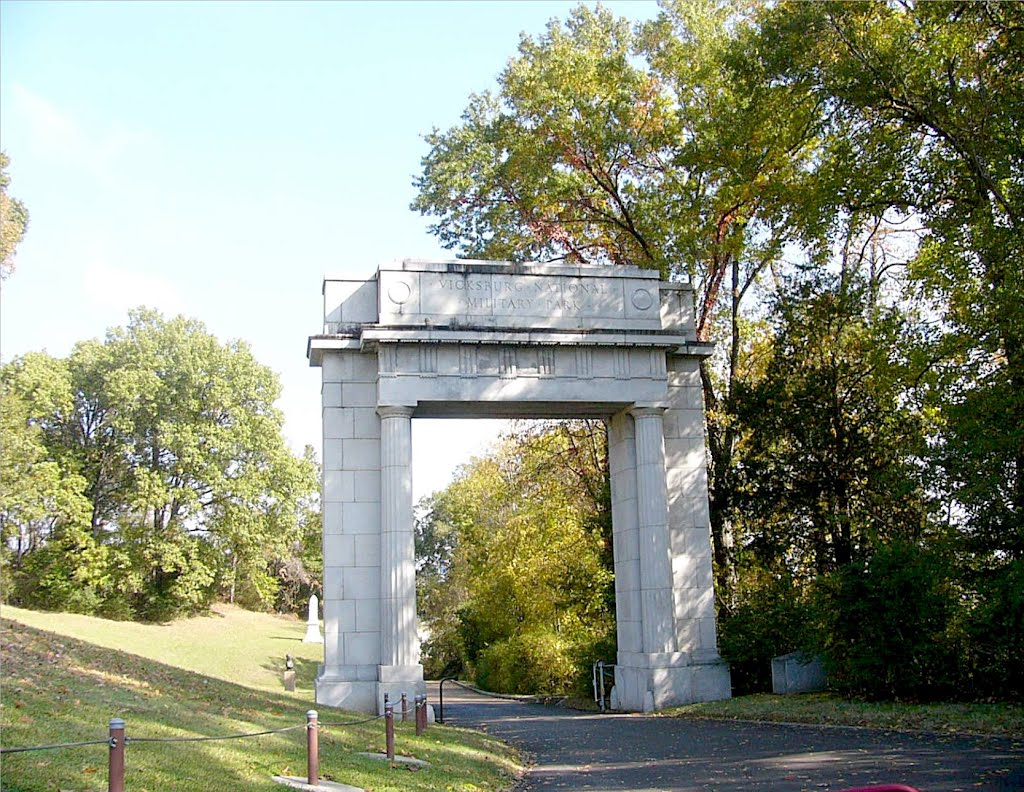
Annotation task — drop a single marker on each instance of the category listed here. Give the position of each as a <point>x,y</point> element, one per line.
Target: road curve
<point>573,750</point>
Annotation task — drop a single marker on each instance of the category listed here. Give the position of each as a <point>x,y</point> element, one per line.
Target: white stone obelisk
<point>313,622</point>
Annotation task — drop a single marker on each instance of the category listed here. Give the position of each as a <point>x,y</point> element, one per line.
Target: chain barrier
<point>322,724</point>
<point>131,740</point>
<point>24,748</point>
<point>118,741</point>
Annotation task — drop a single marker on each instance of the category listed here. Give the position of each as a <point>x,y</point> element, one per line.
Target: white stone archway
<point>485,339</point>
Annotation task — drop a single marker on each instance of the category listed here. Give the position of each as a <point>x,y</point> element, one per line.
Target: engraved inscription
<point>525,295</point>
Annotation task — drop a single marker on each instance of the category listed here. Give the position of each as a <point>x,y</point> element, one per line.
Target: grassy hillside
<point>63,681</point>
<point>230,644</point>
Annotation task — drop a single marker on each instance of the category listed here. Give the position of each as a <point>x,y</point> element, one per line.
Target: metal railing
<point>524,698</point>
<point>599,671</point>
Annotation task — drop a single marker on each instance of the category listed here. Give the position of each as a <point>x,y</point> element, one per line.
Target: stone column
<point>399,659</point>
<point>398,573</point>
<point>655,556</point>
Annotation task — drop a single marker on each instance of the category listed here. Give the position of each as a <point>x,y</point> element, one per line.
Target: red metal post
<point>421,714</point>
<point>389,731</point>
<point>115,766</point>
<point>312,749</point>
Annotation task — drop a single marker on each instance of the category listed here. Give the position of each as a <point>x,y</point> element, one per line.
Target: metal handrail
<point>598,674</point>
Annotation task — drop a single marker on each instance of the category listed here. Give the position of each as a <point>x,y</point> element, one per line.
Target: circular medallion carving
<point>642,299</point>
<point>398,292</point>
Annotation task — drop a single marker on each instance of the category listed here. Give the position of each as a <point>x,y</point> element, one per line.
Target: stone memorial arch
<point>483,339</point>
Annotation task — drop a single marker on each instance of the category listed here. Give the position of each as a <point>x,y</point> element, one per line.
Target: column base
<point>396,680</point>
<point>362,688</point>
<point>667,680</point>
<point>355,695</point>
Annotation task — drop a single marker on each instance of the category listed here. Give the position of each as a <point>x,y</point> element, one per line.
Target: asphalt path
<point>574,750</point>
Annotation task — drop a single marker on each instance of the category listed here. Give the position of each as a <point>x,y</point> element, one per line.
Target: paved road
<point>573,750</point>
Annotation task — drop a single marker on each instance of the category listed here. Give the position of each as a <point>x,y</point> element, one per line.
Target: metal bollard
<point>115,765</point>
<point>421,714</point>
<point>389,731</point>
<point>405,708</point>
<point>312,749</point>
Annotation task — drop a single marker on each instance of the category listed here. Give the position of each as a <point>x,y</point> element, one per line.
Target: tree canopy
<point>13,221</point>
<point>167,448</point>
<point>514,557</point>
<point>842,185</point>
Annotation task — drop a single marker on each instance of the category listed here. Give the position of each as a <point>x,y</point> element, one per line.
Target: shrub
<point>886,625</point>
<point>994,635</point>
<point>772,619</point>
<point>538,662</point>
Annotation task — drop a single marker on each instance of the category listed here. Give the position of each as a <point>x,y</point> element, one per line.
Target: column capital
<point>395,411</point>
<point>643,412</point>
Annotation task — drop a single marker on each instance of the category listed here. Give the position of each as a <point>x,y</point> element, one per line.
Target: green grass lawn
<point>823,708</point>
<point>65,676</point>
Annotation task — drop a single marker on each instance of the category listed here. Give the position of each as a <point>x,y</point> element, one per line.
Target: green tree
<point>871,152</point>
<point>299,569</point>
<point>13,221</point>
<point>833,452</point>
<point>925,105</point>
<point>41,504</point>
<point>179,444</point>
<point>886,623</point>
<point>610,144</point>
<point>515,581</point>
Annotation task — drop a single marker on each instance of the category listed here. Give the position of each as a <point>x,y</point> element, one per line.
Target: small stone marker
<point>289,673</point>
<point>797,672</point>
<point>313,622</point>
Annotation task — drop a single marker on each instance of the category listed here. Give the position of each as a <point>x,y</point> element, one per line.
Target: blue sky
<point>217,159</point>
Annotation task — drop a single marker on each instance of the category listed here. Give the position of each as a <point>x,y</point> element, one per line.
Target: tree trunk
<point>719,498</point>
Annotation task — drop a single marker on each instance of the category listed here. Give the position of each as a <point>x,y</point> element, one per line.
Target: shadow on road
<point>572,750</point>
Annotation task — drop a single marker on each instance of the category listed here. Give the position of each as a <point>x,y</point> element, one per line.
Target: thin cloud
<point>115,290</point>
<point>61,136</point>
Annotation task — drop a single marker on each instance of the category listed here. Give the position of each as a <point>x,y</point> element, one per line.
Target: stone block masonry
<point>493,339</point>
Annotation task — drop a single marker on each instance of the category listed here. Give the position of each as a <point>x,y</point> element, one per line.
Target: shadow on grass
<point>61,689</point>
<point>305,672</point>
<point>58,689</point>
